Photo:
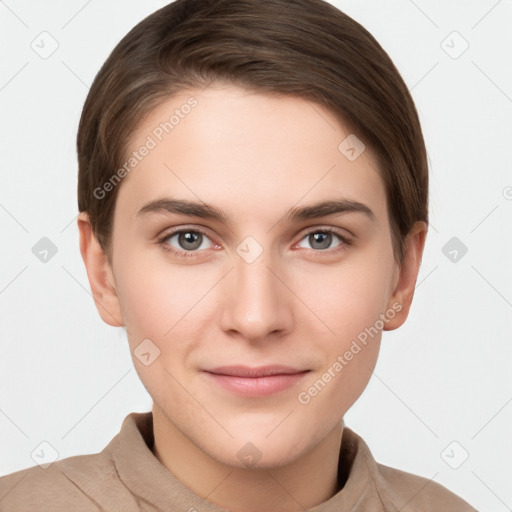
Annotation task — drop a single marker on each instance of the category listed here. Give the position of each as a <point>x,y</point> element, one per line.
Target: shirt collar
<point>148,478</point>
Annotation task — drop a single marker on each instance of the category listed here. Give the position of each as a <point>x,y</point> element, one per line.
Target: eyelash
<point>346,242</point>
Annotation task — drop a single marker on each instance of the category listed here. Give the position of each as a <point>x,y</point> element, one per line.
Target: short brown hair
<point>306,48</point>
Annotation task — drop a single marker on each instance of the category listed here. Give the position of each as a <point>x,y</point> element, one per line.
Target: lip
<point>256,381</point>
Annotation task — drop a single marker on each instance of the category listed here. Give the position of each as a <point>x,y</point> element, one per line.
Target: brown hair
<point>307,48</point>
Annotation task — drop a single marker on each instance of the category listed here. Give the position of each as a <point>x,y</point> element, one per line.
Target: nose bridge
<point>257,304</point>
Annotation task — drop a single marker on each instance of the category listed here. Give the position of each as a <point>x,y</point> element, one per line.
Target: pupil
<point>190,238</point>
<point>322,238</point>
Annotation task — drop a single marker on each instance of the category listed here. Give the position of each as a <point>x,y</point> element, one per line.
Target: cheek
<point>167,304</point>
<point>350,302</point>
<point>158,305</point>
<point>155,295</point>
<point>348,298</point>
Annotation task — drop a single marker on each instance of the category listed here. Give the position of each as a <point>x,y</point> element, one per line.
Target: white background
<point>67,378</point>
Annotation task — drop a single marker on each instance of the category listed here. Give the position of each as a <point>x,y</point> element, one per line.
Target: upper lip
<point>255,371</point>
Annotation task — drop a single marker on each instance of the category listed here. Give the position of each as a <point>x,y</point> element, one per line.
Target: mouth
<point>255,381</point>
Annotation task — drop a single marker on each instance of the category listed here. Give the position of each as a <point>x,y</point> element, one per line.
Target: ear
<point>100,274</point>
<point>407,274</point>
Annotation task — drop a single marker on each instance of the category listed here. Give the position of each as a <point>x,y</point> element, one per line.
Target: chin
<point>256,456</point>
<point>252,449</point>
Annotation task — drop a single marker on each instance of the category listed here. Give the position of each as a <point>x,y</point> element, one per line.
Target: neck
<point>302,484</point>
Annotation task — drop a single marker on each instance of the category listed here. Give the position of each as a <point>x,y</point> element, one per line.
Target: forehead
<point>245,151</point>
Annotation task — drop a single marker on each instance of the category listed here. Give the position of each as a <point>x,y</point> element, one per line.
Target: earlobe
<point>407,275</point>
<point>100,274</point>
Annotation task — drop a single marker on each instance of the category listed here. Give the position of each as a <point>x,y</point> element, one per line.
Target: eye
<point>186,242</point>
<point>189,242</point>
<point>322,239</point>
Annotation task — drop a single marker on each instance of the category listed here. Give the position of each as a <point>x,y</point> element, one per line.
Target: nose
<point>256,303</point>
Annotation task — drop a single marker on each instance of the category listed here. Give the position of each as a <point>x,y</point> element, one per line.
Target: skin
<point>254,156</point>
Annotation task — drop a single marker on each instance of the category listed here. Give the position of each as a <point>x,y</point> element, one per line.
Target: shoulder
<point>413,493</point>
<point>84,483</point>
<point>76,483</point>
<point>393,489</point>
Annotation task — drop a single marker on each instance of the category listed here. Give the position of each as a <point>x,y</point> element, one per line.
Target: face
<point>261,316</point>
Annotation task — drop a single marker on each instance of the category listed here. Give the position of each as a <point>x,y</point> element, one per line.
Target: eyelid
<point>168,232</point>
<point>343,233</point>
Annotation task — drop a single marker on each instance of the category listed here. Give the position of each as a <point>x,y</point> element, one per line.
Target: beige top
<point>127,477</point>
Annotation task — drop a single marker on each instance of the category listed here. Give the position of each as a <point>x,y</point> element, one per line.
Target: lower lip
<point>256,386</point>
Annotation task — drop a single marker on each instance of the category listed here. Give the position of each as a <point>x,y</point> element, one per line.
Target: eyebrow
<point>205,211</point>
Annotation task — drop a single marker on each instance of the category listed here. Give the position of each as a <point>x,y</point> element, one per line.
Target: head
<point>299,144</point>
